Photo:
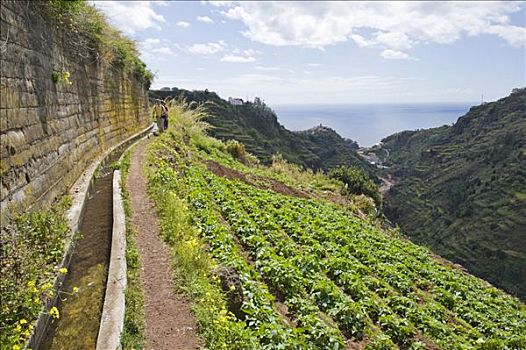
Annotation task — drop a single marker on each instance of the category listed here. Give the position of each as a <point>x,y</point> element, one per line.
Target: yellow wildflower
<point>63,270</point>
<point>53,312</point>
<point>16,347</point>
<point>32,287</point>
<point>75,290</point>
<point>23,321</point>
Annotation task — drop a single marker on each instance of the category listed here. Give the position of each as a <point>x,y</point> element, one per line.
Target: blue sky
<point>331,52</point>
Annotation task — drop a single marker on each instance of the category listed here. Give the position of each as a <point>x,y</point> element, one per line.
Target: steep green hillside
<point>274,258</point>
<point>462,189</point>
<point>257,126</point>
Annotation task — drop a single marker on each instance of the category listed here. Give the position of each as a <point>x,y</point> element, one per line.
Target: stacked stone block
<point>51,130</point>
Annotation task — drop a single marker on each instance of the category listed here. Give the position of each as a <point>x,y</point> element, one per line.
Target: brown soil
<point>353,344</point>
<point>428,343</point>
<point>262,182</point>
<point>266,183</point>
<point>169,323</point>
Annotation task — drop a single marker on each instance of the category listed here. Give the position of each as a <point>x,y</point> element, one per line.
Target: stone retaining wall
<point>50,131</point>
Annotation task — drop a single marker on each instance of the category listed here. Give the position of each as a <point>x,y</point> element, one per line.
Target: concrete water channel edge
<point>112,319</point>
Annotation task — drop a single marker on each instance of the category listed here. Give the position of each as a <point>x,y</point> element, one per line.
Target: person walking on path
<point>157,114</point>
<point>164,114</point>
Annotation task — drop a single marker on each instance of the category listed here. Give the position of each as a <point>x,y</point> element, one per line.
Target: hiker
<point>164,114</point>
<point>157,113</point>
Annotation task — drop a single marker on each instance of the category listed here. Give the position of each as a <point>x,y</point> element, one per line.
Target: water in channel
<point>80,311</point>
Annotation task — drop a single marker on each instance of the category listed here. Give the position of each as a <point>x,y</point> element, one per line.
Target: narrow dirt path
<point>169,322</point>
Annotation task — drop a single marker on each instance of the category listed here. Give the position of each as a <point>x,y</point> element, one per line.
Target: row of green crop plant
<point>352,316</point>
<point>385,266</point>
<point>328,260</point>
<point>292,274</point>
<point>408,265</point>
<point>262,323</point>
<point>193,267</point>
<point>330,257</point>
<point>269,328</point>
<point>399,327</point>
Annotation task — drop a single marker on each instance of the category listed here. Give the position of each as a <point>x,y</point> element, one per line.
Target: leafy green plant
<point>61,77</point>
<point>32,247</point>
<point>356,181</point>
<point>238,151</point>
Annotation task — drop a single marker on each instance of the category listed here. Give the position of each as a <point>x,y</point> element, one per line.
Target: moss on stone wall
<point>72,86</point>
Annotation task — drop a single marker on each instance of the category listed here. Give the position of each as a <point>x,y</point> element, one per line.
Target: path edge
<point>114,307</point>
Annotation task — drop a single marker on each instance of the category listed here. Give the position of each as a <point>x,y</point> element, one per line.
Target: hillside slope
<point>257,126</point>
<point>462,189</point>
<point>275,258</point>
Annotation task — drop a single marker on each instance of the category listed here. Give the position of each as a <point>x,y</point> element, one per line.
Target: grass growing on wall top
<point>90,35</point>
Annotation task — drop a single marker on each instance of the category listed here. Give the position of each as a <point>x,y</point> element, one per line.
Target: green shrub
<point>356,181</point>
<point>32,247</point>
<point>238,151</point>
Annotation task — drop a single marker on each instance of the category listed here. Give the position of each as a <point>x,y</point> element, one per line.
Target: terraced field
<point>312,273</point>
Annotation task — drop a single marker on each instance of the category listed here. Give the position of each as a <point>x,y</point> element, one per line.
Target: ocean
<point>369,123</point>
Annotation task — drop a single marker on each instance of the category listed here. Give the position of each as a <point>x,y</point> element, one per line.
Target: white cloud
<point>394,25</point>
<point>207,48</point>
<point>313,64</point>
<point>165,51</point>
<point>132,16</point>
<point>157,49</point>
<point>237,59</point>
<point>183,24</point>
<point>395,55</point>
<point>267,68</point>
<point>394,40</point>
<point>516,36</point>
<point>205,19</point>
<point>273,69</point>
<point>241,56</point>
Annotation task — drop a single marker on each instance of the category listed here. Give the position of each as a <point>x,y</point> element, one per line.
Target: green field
<point>314,272</point>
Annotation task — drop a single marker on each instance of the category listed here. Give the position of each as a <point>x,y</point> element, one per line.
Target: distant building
<point>165,89</point>
<point>235,101</point>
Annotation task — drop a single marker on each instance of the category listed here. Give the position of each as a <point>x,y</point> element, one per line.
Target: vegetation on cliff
<point>312,271</point>
<point>89,34</point>
<point>461,189</point>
